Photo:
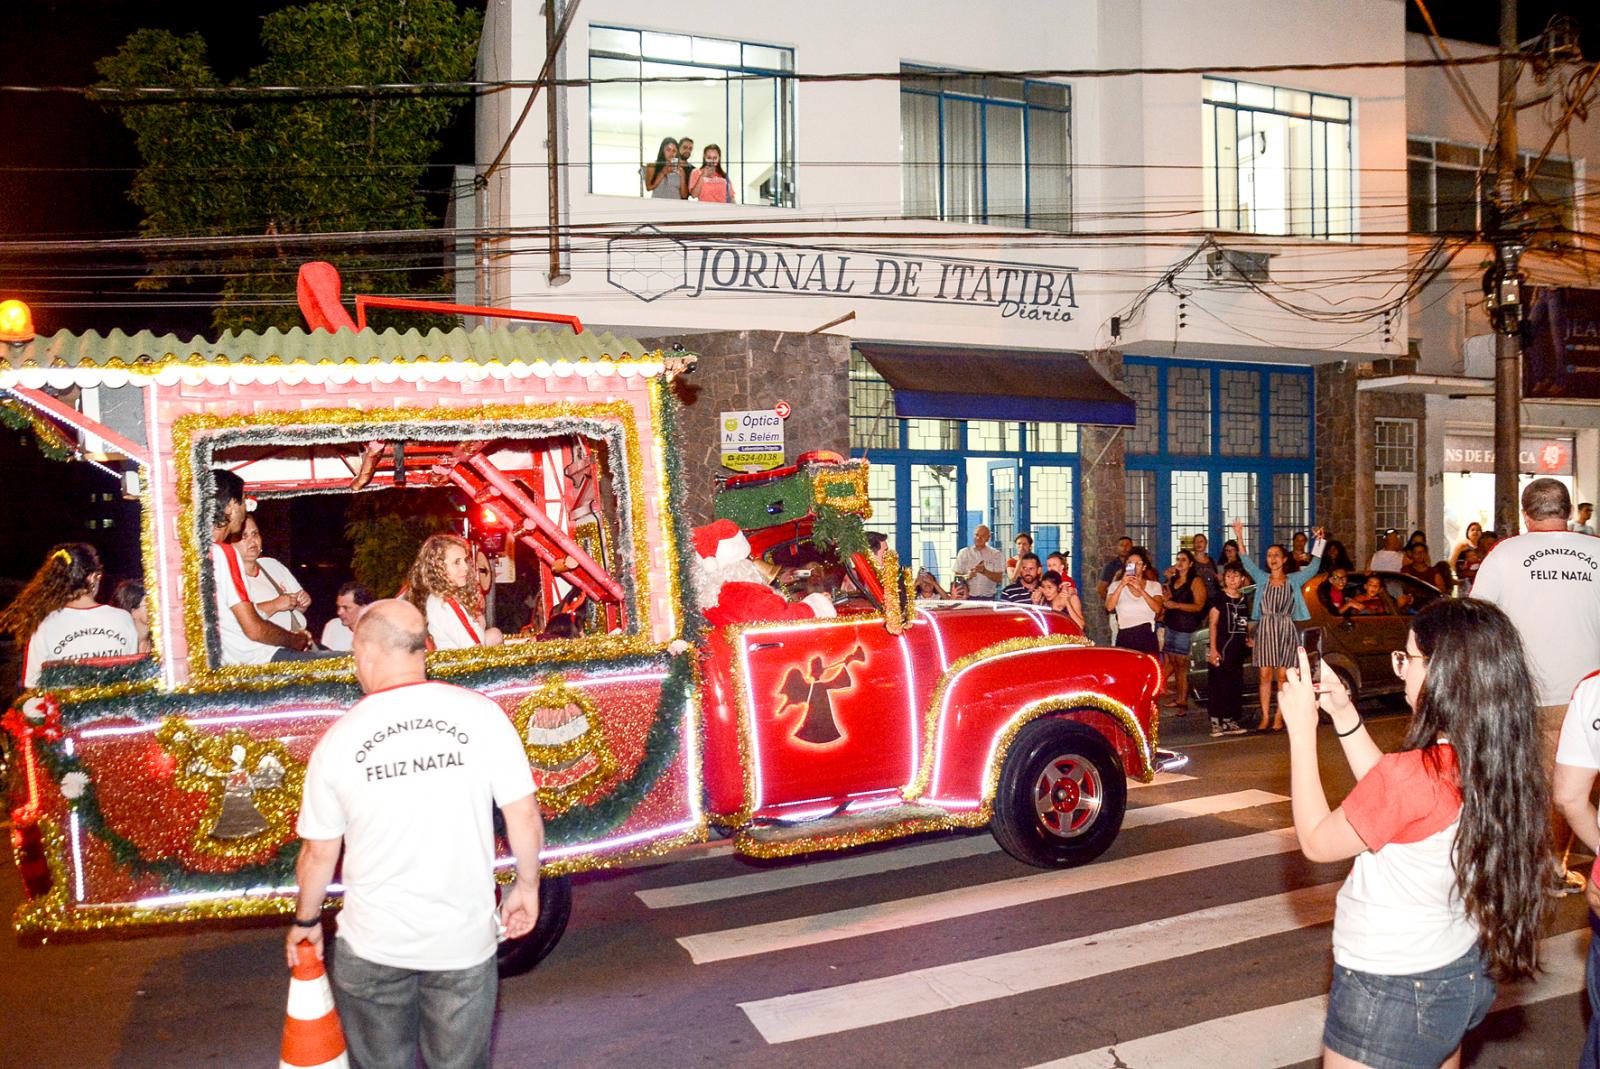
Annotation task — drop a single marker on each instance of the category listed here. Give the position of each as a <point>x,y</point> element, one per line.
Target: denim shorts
<point>1177,642</point>
<point>1406,1022</point>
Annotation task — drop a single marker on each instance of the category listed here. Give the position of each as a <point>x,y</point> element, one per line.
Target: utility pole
<point>1503,286</point>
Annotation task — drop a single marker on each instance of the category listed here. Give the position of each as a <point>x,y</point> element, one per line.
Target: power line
<point>177,94</point>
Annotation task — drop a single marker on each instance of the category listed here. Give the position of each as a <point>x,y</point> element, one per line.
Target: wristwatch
<point>312,923</point>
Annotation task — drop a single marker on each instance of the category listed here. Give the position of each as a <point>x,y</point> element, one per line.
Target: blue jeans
<point>1590,1059</point>
<point>387,1012</point>
<point>1406,1022</point>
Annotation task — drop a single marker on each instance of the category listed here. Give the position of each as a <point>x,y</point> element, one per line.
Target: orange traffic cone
<point>312,1038</point>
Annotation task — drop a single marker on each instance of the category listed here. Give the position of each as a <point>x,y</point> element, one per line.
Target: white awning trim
<point>221,372</point>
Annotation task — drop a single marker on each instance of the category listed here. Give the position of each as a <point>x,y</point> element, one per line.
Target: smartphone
<point>1132,567</point>
<point>1311,640</point>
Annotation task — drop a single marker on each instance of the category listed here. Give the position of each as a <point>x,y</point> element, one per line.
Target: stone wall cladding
<point>755,369</point>
<point>1102,506</point>
<point>1346,454</point>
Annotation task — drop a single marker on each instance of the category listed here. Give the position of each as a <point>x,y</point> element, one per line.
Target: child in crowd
<point>441,586</point>
<point>1229,622</point>
<point>1339,594</point>
<point>1370,600</point>
<point>1058,592</point>
<point>58,617</point>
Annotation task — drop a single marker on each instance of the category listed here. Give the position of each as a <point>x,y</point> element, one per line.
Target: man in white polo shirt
<point>1548,581</point>
<point>405,782</point>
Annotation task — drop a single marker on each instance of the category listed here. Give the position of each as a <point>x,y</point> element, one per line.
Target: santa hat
<point>721,541</point>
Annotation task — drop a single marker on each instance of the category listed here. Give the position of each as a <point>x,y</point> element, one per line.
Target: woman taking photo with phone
<point>1136,599</point>
<point>1449,833</point>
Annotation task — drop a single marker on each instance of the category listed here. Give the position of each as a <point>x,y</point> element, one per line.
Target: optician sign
<point>752,441</point>
<point>650,265</point>
<point>1541,456</point>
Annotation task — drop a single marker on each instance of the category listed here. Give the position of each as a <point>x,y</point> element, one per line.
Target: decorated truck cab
<point>163,788</point>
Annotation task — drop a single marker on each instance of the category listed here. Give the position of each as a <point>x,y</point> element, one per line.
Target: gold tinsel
<point>556,693</point>
<point>187,429</point>
<point>198,757</point>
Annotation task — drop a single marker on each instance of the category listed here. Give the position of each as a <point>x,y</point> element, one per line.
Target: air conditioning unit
<point>1237,268</point>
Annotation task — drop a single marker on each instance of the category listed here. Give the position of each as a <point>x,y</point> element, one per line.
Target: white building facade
<point>972,187</point>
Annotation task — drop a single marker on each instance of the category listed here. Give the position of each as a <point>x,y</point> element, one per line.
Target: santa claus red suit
<point>732,588</point>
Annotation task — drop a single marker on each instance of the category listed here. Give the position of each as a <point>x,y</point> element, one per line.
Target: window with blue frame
<point>1214,443</point>
<point>731,94</point>
<point>933,481</point>
<point>985,150</point>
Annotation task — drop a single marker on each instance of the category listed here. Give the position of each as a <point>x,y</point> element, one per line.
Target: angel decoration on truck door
<point>815,690</point>
<point>252,786</point>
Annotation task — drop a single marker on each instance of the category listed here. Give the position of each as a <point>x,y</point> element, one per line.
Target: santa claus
<point>733,589</point>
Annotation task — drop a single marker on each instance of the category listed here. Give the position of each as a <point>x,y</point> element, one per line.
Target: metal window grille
<point>1289,404</point>
<point>1395,447</point>
<point>1140,382</point>
<point>873,424</point>
<point>1239,404</point>
<point>1188,397</point>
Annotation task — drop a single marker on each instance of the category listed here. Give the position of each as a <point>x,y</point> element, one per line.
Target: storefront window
<point>727,101</point>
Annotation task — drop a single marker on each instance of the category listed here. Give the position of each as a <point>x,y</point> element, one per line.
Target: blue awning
<point>966,382</point>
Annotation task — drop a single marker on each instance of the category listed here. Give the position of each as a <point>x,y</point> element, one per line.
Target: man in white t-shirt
<point>244,637</point>
<point>982,564</point>
<point>405,783</point>
<point>1548,581</point>
<point>1389,558</point>
<point>1577,768</point>
<point>338,633</point>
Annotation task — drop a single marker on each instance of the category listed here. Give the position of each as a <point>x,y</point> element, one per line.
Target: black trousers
<point>1225,686</point>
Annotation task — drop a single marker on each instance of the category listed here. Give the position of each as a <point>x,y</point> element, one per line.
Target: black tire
<point>517,956</point>
<point>1061,796</point>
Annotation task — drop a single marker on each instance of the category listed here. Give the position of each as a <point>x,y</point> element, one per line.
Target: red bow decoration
<point>23,727</point>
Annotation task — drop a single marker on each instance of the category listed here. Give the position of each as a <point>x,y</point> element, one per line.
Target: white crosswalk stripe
<point>1292,1032</point>
<point>926,854</point>
<point>923,991</point>
<point>965,901</point>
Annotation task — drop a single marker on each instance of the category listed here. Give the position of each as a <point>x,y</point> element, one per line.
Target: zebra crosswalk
<point>918,965</point>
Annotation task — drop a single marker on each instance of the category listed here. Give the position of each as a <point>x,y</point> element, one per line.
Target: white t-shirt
<point>336,636</point>
<point>70,634</point>
<point>1399,912</point>
<point>406,778</point>
<point>227,572</point>
<point>450,626</point>
<point>1132,611</point>
<point>1548,582</point>
<point>268,571</point>
<point>1580,731</point>
<point>1386,560</point>
<point>967,561</point>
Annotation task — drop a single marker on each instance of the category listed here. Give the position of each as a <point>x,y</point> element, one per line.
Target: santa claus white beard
<point>711,575</point>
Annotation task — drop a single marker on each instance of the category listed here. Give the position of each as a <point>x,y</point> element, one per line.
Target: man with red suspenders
<point>243,636</point>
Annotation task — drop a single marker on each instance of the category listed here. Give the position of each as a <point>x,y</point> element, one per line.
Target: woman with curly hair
<point>1452,872</point>
<point>441,586</point>
<point>57,615</point>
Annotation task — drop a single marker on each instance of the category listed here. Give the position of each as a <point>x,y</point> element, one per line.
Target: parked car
<point>1355,645</point>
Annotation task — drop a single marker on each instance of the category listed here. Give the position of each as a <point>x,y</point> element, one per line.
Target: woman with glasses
<point>1451,876</point>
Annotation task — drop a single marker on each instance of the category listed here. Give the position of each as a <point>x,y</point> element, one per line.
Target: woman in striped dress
<point>1278,605</point>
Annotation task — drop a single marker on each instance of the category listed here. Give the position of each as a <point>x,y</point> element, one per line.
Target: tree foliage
<point>386,528</point>
<point>297,164</point>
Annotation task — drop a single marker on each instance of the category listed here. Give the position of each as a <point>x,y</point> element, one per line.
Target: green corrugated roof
<point>480,345</point>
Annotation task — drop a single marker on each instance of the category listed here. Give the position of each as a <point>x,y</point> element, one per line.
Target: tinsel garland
<point>671,431</point>
<point>579,825</point>
<point>52,443</point>
<point>198,437</point>
<point>751,506</point>
<point>839,533</point>
<point>72,675</point>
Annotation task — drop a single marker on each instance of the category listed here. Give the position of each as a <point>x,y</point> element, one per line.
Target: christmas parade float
<point>686,695</point>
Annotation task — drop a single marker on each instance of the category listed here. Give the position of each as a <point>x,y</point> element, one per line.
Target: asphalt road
<point>1200,939</point>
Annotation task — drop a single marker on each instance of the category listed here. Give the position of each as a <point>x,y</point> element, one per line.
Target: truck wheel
<point>517,956</point>
<point>1061,795</point>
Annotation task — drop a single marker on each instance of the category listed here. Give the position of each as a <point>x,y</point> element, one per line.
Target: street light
<point>16,322</point>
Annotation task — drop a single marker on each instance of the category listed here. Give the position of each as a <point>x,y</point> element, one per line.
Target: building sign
<point>752,441</point>
<point>1537,456</point>
<point>1561,345</point>
<point>650,265</point>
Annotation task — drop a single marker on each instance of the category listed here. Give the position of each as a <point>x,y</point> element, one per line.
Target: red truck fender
<point>985,699</point>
